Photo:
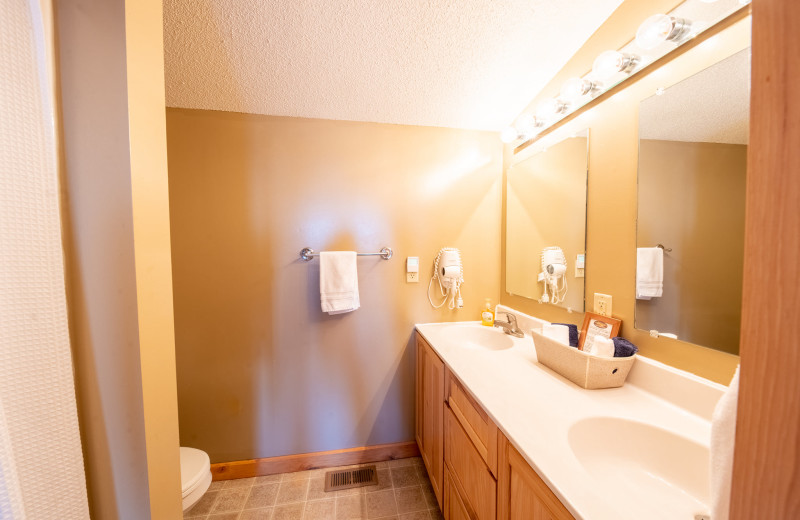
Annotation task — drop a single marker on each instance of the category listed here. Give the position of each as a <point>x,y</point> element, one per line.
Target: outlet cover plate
<point>602,304</point>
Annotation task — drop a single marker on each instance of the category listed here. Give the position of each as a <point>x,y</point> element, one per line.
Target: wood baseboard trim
<point>320,459</point>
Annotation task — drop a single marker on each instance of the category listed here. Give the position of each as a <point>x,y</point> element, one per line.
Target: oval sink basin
<point>473,335</point>
<point>650,470</point>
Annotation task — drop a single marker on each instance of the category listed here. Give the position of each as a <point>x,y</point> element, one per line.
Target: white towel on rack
<point>649,272</point>
<point>338,281</point>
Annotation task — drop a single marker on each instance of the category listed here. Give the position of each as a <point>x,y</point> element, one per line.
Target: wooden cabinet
<point>475,472</point>
<point>521,493</point>
<point>430,413</point>
<point>468,471</point>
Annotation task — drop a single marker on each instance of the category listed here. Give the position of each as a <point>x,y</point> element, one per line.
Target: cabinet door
<point>455,508</point>
<point>430,408</point>
<point>468,470</point>
<point>522,494</point>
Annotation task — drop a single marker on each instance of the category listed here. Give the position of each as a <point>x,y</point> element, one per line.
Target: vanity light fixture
<point>575,88</point>
<point>609,63</point>
<point>550,108</point>
<point>661,28</point>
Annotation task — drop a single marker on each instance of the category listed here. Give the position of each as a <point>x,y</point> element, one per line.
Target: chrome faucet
<point>510,326</point>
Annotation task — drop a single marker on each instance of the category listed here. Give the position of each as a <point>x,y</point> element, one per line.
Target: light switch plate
<point>602,304</point>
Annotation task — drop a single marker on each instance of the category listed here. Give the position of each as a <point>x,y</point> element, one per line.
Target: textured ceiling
<point>451,63</point>
<point>713,106</point>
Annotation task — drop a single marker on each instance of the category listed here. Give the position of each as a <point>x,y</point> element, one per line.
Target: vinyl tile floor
<point>403,492</point>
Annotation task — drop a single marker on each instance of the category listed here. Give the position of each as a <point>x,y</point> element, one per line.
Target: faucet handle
<point>511,318</point>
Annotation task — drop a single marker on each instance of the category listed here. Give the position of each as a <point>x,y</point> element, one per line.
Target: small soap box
<point>585,370</point>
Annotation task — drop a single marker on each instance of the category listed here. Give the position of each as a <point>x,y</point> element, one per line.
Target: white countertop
<point>535,408</point>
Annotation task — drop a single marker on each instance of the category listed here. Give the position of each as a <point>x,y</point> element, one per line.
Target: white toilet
<point>195,475</point>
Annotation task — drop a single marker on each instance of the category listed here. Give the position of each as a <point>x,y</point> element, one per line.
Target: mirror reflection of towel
<point>338,281</point>
<point>649,272</point>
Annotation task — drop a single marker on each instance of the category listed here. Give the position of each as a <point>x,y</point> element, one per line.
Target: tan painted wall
<point>691,199</point>
<point>546,206</point>
<point>261,370</point>
<point>117,254</point>
<point>612,203</point>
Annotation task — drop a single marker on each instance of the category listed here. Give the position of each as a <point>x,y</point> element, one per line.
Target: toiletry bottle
<point>487,314</point>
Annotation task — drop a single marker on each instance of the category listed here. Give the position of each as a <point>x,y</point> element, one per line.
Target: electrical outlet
<point>412,277</point>
<point>602,304</point>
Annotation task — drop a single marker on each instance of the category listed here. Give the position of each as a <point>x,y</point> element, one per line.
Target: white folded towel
<point>649,272</point>
<point>338,281</point>
<point>558,333</point>
<point>603,347</point>
<point>723,435</point>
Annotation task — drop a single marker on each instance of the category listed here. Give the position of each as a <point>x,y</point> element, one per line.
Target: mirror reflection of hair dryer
<point>554,275</point>
<point>449,273</point>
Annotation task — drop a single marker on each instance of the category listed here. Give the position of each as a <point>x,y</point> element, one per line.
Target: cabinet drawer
<point>477,424</point>
<point>468,470</point>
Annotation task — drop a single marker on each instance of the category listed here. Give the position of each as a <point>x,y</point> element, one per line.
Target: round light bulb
<point>549,108</point>
<point>609,63</point>
<point>527,125</point>
<point>509,134</point>
<point>575,88</point>
<point>660,28</point>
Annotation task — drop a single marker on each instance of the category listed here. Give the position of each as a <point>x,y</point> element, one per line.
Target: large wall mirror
<point>546,208</point>
<point>692,163</point>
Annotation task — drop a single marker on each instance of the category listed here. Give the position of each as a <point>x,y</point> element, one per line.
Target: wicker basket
<point>585,370</point>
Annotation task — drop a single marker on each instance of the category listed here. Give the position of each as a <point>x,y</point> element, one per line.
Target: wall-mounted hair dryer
<point>448,271</point>
<point>554,275</point>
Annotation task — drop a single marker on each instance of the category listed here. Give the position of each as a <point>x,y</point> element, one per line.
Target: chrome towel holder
<point>666,249</point>
<point>308,254</point>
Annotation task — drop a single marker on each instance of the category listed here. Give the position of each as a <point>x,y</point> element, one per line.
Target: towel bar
<point>666,249</point>
<point>307,253</point>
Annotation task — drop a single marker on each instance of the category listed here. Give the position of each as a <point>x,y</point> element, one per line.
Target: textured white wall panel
<point>452,63</point>
<point>36,384</point>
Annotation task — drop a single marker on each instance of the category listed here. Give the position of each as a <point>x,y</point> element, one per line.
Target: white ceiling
<point>451,63</point>
<point>713,106</point>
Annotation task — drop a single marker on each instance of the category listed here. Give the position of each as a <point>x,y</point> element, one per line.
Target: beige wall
<point>546,206</point>
<point>116,232</point>
<point>691,199</point>
<point>261,370</point>
<point>612,200</point>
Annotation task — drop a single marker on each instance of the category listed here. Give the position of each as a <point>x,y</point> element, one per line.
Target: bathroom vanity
<point>503,437</point>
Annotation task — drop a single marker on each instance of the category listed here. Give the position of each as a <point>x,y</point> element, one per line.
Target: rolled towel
<point>623,347</point>
<point>573,333</point>
<point>602,347</point>
<point>556,332</point>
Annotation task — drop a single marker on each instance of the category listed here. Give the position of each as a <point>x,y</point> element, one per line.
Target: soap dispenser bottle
<point>487,314</point>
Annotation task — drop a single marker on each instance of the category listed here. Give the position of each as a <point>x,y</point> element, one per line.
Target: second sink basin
<point>652,470</point>
<point>475,335</point>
